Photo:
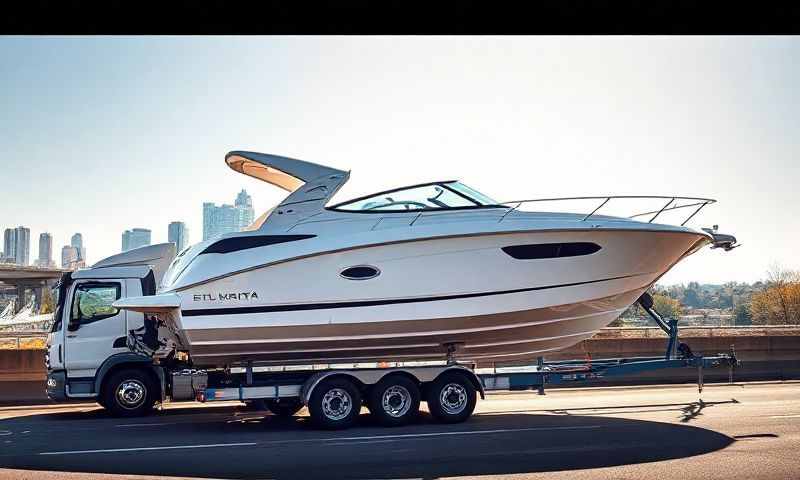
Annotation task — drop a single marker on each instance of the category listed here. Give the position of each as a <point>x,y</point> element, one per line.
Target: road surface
<point>743,431</point>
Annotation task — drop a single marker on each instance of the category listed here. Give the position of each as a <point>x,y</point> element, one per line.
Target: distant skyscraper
<point>45,250</point>
<point>10,244</point>
<point>17,244</point>
<point>178,234</point>
<point>135,238</point>
<point>227,218</point>
<point>244,204</point>
<point>69,258</point>
<point>77,242</point>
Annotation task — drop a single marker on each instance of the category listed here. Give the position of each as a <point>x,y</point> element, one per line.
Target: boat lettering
<point>207,297</point>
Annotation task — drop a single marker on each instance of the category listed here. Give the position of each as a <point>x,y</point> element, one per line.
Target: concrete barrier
<point>766,353</point>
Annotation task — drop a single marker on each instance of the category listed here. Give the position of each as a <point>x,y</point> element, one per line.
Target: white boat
<point>426,272</point>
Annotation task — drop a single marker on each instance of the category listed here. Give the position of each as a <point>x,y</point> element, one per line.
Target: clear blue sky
<point>99,135</point>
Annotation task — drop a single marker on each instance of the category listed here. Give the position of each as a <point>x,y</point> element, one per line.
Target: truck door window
<point>93,301</point>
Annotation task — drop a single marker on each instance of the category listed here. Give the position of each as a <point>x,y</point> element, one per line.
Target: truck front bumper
<point>57,385</point>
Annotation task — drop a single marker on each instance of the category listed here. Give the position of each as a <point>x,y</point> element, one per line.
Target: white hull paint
<point>600,286</point>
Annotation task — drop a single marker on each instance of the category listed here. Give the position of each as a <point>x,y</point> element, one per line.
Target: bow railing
<point>672,203</point>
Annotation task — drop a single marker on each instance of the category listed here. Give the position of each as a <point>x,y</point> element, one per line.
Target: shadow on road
<point>234,443</point>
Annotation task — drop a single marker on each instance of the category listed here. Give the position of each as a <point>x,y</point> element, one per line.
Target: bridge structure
<point>19,279</point>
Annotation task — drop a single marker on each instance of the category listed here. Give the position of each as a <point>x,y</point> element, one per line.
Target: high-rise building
<point>17,244</point>
<point>45,251</point>
<point>244,205</point>
<point>77,242</point>
<point>10,244</point>
<point>178,234</point>
<point>135,238</point>
<point>227,218</point>
<point>70,258</point>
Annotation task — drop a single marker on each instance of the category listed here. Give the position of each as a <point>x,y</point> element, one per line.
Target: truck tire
<point>284,408</point>
<point>129,393</point>
<point>335,403</point>
<point>394,400</point>
<point>451,397</point>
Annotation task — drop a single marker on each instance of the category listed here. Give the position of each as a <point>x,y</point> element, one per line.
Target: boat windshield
<point>432,196</point>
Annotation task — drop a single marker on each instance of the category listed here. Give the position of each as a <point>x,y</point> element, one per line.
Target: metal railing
<point>604,200</point>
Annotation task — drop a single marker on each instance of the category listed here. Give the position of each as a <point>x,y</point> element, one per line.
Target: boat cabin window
<point>433,196</point>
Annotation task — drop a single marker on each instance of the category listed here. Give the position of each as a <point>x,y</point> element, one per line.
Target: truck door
<point>94,329</point>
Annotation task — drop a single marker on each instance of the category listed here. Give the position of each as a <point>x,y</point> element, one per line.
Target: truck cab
<point>87,344</point>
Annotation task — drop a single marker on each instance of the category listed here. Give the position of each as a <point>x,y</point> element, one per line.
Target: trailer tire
<point>394,400</point>
<point>129,393</point>
<point>451,397</point>
<point>284,408</point>
<point>335,403</point>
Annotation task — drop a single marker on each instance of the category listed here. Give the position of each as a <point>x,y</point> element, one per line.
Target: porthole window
<point>360,272</point>
<point>551,250</point>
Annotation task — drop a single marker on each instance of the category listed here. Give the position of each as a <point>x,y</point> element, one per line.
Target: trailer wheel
<point>284,408</point>
<point>451,397</point>
<point>129,393</point>
<point>394,400</point>
<point>335,403</point>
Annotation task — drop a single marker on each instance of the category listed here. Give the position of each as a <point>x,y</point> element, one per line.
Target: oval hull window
<point>360,272</point>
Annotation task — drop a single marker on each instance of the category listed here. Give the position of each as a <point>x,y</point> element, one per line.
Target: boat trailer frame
<point>677,355</point>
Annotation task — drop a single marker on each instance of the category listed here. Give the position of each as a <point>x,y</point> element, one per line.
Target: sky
<point>103,134</point>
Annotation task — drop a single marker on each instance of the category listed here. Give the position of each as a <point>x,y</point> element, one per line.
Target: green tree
<point>667,307</point>
<point>741,315</point>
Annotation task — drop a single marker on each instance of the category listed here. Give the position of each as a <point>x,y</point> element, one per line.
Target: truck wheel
<point>394,400</point>
<point>129,393</point>
<point>284,408</point>
<point>335,403</point>
<point>451,397</point>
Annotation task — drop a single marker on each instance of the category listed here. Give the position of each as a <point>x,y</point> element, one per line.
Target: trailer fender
<point>127,358</point>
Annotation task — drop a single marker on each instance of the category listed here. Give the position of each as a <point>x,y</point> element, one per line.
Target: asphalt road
<point>748,431</point>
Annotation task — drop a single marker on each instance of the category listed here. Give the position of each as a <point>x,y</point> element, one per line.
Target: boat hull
<point>462,291</point>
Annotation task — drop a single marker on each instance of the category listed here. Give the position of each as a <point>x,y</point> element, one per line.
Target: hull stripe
<point>372,303</point>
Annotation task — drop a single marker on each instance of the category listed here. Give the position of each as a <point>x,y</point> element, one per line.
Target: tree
<point>779,301</point>
<point>741,315</point>
<point>48,303</point>
<point>667,307</point>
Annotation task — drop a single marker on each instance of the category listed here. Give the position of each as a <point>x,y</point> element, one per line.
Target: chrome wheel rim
<point>453,398</point>
<point>336,404</point>
<point>131,394</point>
<point>396,401</point>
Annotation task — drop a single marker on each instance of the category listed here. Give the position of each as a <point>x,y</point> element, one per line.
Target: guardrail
<point>695,202</point>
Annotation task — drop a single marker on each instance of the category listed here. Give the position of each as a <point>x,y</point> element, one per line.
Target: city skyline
<point>511,117</point>
<point>75,250</point>
<point>226,218</point>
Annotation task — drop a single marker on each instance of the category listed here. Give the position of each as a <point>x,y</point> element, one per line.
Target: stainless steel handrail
<point>698,202</point>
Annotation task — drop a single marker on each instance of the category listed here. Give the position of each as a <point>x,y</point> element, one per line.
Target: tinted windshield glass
<point>424,197</point>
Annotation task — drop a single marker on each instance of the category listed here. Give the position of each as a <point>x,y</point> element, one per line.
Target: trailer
<point>392,394</point>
